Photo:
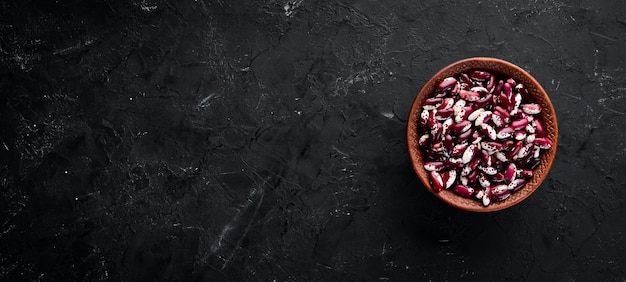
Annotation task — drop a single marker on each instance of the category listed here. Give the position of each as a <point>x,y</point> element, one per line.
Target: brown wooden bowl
<point>547,115</point>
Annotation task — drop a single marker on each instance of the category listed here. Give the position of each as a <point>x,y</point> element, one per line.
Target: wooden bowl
<point>547,115</point>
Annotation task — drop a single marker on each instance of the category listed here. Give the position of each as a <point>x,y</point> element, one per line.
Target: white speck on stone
<point>387,114</point>
<point>147,7</point>
<point>291,6</point>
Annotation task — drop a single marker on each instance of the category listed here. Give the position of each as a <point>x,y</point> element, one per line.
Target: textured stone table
<point>265,141</point>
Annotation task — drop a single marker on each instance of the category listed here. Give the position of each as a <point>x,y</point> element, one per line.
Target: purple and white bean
<point>482,136</point>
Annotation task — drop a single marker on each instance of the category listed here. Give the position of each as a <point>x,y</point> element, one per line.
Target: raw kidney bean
<point>481,135</point>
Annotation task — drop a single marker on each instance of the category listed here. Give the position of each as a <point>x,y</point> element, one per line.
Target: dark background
<point>265,140</point>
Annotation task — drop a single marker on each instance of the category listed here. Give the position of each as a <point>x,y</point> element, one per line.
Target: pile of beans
<point>481,136</point>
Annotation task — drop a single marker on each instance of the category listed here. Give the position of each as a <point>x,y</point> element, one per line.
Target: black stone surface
<point>152,140</point>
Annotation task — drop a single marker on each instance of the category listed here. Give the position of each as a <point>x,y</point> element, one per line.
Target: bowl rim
<point>547,161</point>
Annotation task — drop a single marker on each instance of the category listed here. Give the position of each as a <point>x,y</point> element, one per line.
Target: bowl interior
<point>547,115</point>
